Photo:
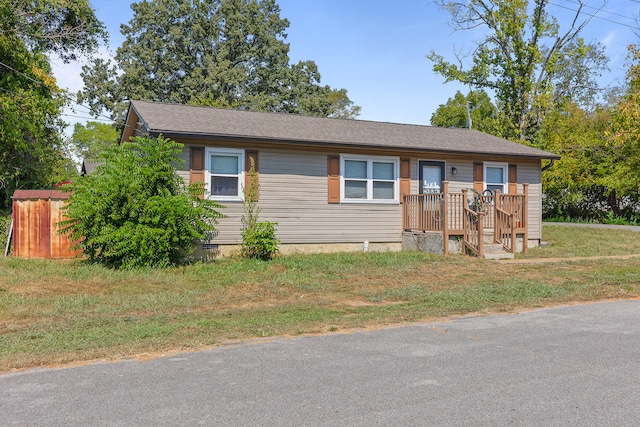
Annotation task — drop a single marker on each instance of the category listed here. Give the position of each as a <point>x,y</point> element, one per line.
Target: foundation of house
<point>432,242</point>
<point>207,252</point>
<point>429,242</point>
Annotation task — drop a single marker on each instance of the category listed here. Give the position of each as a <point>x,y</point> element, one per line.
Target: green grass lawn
<point>57,312</point>
<point>571,241</point>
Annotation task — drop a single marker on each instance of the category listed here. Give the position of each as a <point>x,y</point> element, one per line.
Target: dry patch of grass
<point>59,312</point>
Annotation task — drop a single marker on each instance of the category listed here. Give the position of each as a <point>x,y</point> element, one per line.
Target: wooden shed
<point>36,214</point>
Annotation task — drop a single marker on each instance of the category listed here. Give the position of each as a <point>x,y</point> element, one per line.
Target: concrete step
<point>496,251</point>
<point>503,255</point>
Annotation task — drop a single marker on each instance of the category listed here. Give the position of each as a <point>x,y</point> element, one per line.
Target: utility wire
<point>599,9</point>
<point>67,97</point>
<point>87,117</point>
<point>24,75</point>
<point>596,16</point>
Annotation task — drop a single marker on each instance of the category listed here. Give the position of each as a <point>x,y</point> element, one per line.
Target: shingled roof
<point>175,120</point>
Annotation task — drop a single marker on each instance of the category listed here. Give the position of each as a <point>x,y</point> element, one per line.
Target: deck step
<point>496,251</point>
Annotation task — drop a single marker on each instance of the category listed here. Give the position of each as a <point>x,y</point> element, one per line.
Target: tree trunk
<point>614,203</point>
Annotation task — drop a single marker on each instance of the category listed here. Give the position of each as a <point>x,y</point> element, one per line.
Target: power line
<point>24,75</point>
<point>599,9</point>
<point>68,98</point>
<point>595,16</point>
<point>87,117</point>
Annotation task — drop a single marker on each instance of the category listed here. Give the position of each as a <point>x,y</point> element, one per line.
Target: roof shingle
<point>191,121</point>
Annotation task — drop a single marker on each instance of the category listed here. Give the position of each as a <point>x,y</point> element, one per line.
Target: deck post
<point>525,220</point>
<point>514,242</point>
<point>404,212</point>
<point>421,214</point>
<point>444,215</point>
<point>481,234</point>
<point>497,202</point>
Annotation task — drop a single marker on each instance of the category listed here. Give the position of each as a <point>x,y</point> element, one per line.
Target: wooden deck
<point>469,215</point>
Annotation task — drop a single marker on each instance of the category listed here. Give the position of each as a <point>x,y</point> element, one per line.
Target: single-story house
<point>337,184</point>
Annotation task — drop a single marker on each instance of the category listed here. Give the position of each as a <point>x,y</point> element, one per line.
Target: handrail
<point>511,220</point>
<point>504,231</point>
<point>473,232</point>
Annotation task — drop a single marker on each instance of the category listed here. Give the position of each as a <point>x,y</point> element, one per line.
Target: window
<point>224,173</point>
<point>367,179</point>
<point>495,177</point>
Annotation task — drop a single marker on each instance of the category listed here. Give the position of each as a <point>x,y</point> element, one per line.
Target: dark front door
<point>431,176</point>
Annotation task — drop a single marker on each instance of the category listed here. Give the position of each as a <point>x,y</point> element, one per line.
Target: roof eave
<point>285,141</point>
<point>130,129</point>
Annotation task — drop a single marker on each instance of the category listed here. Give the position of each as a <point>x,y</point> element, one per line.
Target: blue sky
<point>376,49</point>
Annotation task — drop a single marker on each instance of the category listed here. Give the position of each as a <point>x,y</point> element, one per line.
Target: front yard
<point>58,312</point>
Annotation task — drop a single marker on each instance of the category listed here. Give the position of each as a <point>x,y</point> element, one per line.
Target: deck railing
<point>481,203</point>
<point>511,219</point>
<point>423,212</point>
<point>504,231</point>
<point>457,214</point>
<point>456,203</point>
<point>473,238</point>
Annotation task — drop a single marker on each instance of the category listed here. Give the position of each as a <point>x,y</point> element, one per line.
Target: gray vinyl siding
<point>463,179</point>
<point>293,193</point>
<point>182,169</point>
<point>531,173</point>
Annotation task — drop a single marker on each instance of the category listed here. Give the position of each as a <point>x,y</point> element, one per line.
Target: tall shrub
<point>135,211</point>
<point>258,237</point>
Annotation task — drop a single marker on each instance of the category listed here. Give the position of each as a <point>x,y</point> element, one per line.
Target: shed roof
<point>206,122</point>
<point>39,194</point>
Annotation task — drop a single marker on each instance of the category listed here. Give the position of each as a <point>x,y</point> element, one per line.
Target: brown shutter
<point>251,155</point>
<point>333,179</point>
<point>196,170</point>
<point>478,176</point>
<point>405,178</point>
<point>513,179</point>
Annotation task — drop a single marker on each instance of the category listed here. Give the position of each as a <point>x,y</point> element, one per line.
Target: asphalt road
<point>565,366</point>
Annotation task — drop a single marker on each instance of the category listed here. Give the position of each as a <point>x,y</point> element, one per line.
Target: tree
<point>524,59</point>
<point>227,53</point>
<point>31,150</point>
<point>29,129</point>
<point>477,103</point>
<point>135,211</point>
<point>92,138</point>
<point>65,28</point>
<point>576,186</point>
<point>624,134</point>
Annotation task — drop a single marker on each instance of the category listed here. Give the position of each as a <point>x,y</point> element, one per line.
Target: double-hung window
<point>224,173</point>
<point>369,179</point>
<point>496,177</point>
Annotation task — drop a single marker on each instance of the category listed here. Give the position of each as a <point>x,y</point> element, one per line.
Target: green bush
<point>260,241</point>
<point>5,222</point>
<point>135,211</point>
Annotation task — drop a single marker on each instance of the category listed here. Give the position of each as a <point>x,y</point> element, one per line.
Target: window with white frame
<point>224,173</point>
<point>369,179</point>
<point>495,177</point>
